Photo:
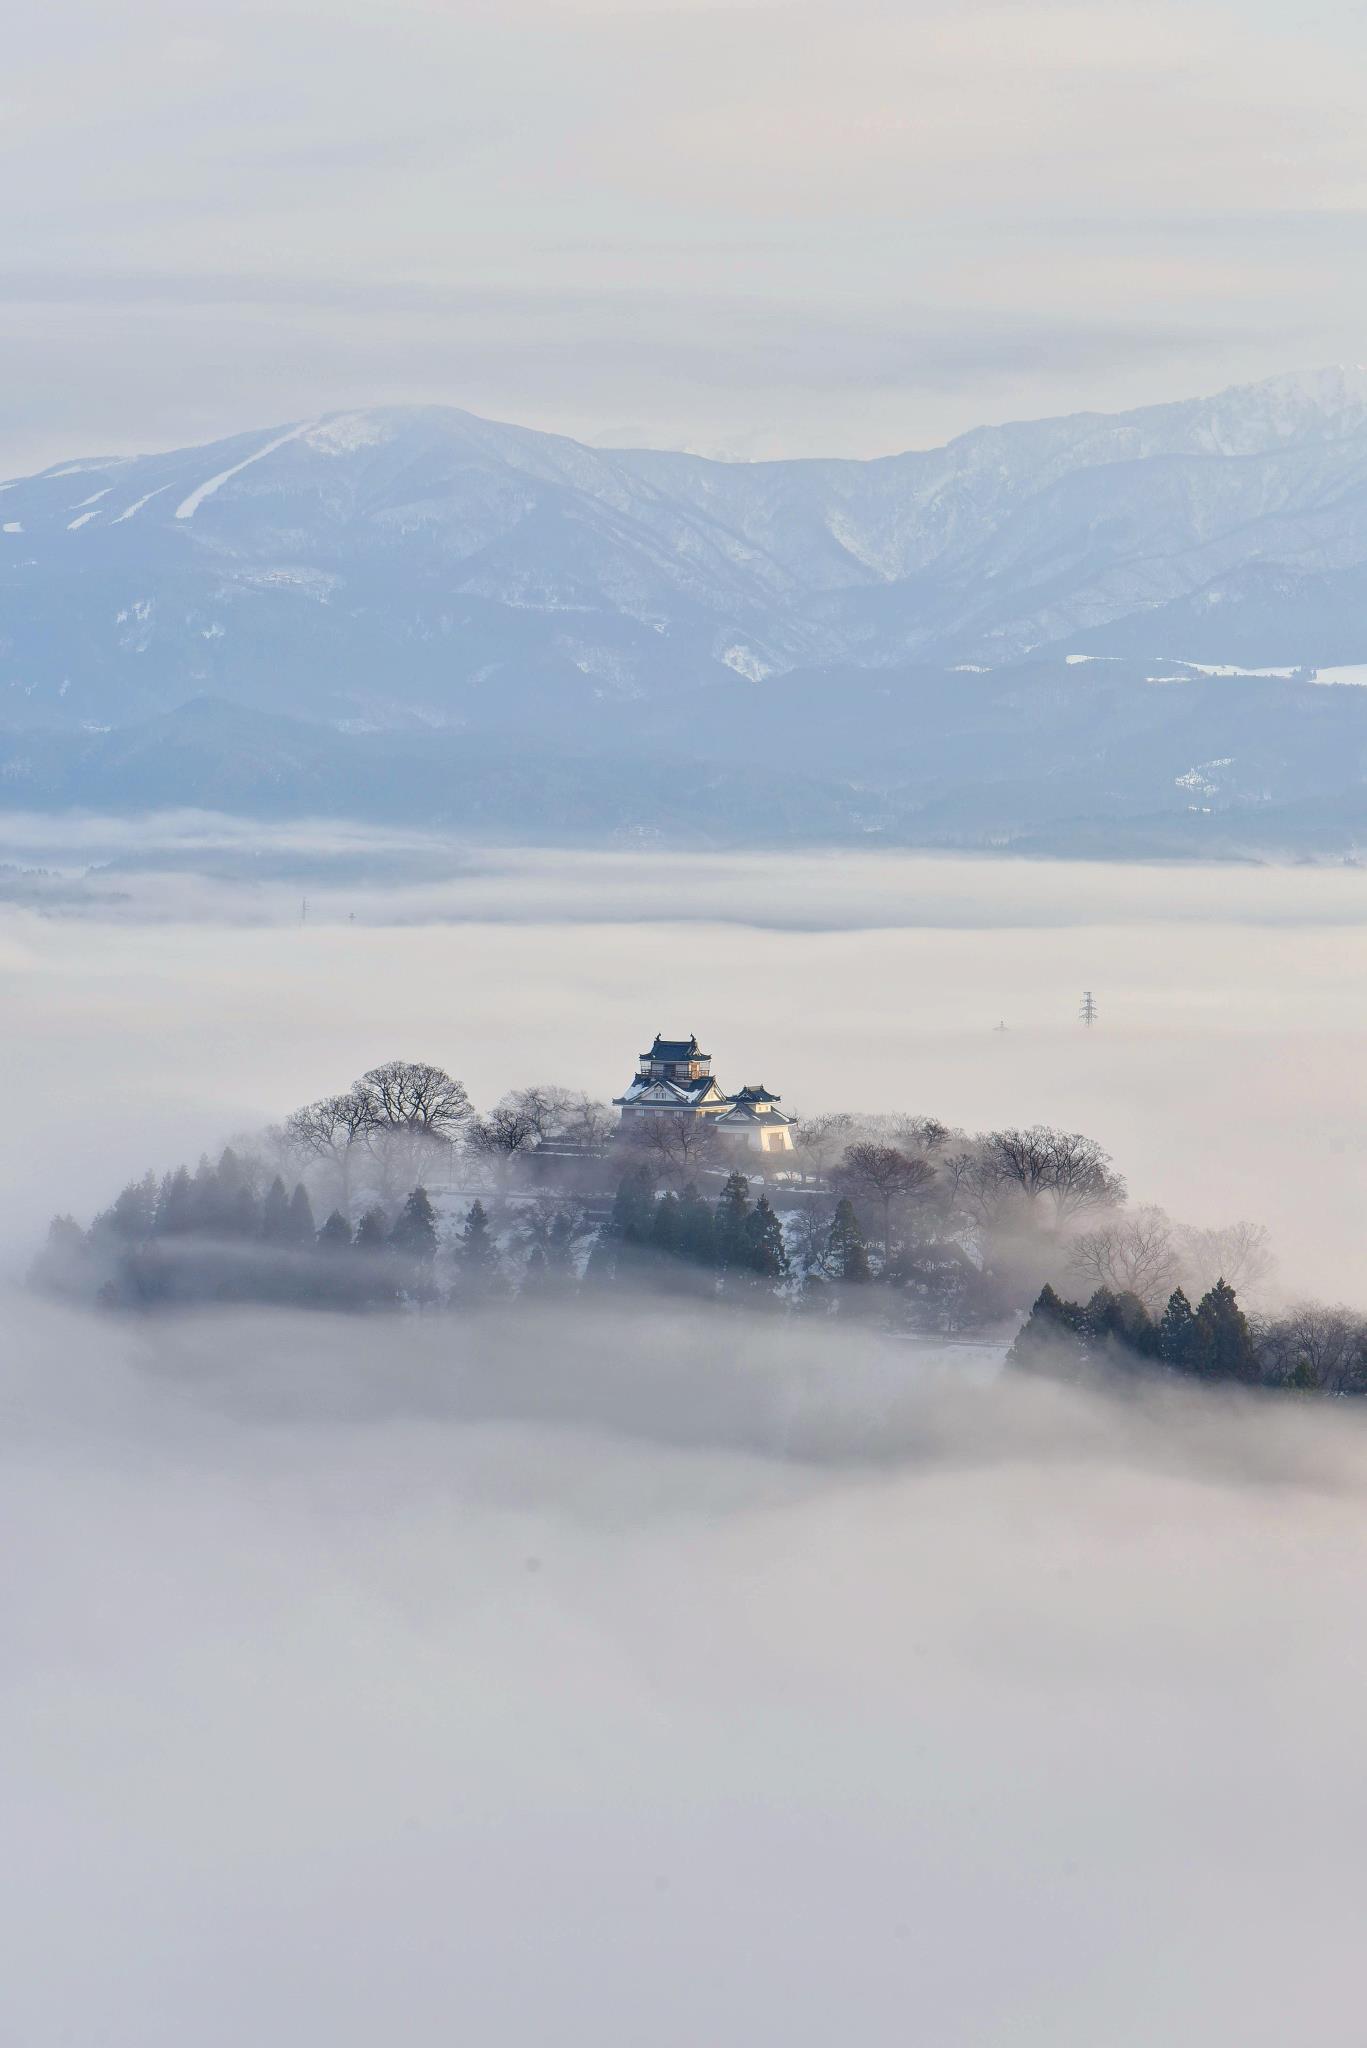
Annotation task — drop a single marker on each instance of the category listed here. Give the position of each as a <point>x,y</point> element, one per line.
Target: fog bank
<point>352,1695</point>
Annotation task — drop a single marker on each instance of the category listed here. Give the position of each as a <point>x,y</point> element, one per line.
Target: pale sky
<point>785,228</point>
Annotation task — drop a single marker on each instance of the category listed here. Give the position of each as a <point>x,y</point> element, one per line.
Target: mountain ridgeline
<point>421,616</point>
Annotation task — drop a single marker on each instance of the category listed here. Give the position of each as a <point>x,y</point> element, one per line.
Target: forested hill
<point>397,1195</point>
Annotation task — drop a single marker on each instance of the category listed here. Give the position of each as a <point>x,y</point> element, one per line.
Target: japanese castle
<point>675,1078</point>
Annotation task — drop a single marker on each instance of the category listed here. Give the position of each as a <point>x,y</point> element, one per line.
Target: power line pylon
<point>1088,1011</point>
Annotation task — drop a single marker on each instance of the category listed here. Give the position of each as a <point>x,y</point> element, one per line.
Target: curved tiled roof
<point>674,1050</point>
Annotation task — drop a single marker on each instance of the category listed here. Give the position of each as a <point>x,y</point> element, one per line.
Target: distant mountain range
<point>417,614</point>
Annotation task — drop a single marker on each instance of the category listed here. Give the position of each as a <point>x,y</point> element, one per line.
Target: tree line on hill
<point>1310,1348</point>
<point>899,1219</point>
<point>220,1235</point>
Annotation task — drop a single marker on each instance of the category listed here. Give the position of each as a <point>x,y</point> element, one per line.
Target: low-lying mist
<point>1225,1075</point>
<point>665,1679</point>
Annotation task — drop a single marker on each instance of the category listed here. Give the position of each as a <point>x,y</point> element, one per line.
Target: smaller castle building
<point>675,1078</point>
<point>754,1117</point>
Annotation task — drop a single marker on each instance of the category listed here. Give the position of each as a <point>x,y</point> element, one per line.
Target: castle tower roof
<point>675,1050</point>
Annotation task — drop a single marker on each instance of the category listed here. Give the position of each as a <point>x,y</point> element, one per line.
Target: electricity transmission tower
<point>1088,1012</point>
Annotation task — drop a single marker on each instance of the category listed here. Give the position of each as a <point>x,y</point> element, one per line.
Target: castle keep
<point>675,1078</point>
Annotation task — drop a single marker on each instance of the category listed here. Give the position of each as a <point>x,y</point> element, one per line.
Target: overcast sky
<point>781,228</point>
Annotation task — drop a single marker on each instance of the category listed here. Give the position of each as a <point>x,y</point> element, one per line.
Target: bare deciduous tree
<point>1316,1346</point>
<point>509,1128</point>
<point>882,1174</point>
<point>959,1186</point>
<point>677,1146</point>
<point>1136,1253</point>
<point>809,1233</point>
<point>412,1095</point>
<point>591,1123</point>
<point>1239,1252</point>
<point>921,1134</point>
<point>564,1113</point>
<point>327,1133</point>
<point>819,1139</point>
<point>1069,1172</point>
<point>545,1108</point>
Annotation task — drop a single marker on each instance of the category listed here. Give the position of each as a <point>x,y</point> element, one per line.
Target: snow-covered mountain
<point>401,565</point>
<point>1027,638</point>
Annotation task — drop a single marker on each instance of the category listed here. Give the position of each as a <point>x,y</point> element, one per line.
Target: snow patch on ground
<point>13,526</point>
<point>1347,672</point>
<point>50,476</point>
<point>136,621</point>
<point>1225,668</point>
<point>348,431</point>
<point>970,668</point>
<point>1077,660</point>
<point>189,506</point>
<point>81,519</point>
<point>315,583</point>
<point>1198,779</point>
<point>138,504</point>
<point>94,498</point>
<point>746,663</point>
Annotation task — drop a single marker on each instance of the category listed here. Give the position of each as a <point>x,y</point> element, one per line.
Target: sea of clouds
<point>676,1678</point>
<point>668,1680</point>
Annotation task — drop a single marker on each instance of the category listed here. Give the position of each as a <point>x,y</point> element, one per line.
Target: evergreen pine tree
<point>633,1207</point>
<point>477,1255</point>
<point>1177,1333</point>
<point>767,1255</point>
<point>64,1265</point>
<point>299,1224</point>
<point>175,1204</point>
<point>204,1203</point>
<point>133,1214</point>
<point>335,1235</point>
<point>372,1234</point>
<point>1123,1328</point>
<point>275,1214</point>
<point>1051,1338</point>
<point>664,1225</point>
<point>845,1247</point>
<point>1224,1343</point>
<point>537,1279</point>
<point>373,1279</point>
<point>733,1206</point>
<point>600,1269</point>
<point>415,1229</point>
<point>697,1229</point>
<point>231,1173</point>
<point>560,1246</point>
